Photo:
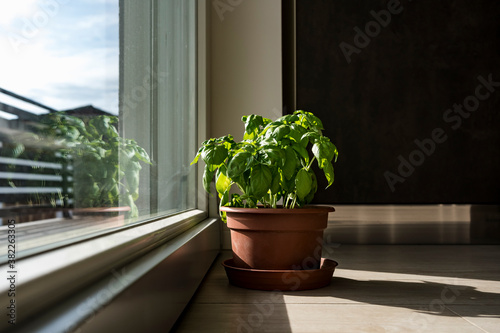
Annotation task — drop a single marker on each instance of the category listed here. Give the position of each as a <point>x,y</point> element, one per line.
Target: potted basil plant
<point>273,164</point>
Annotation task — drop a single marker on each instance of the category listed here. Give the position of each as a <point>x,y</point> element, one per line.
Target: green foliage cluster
<point>272,162</point>
<point>106,166</point>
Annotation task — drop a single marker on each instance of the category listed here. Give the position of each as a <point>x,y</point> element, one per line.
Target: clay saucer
<point>283,280</point>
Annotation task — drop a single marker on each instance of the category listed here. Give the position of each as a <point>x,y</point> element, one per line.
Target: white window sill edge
<point>47,278</point>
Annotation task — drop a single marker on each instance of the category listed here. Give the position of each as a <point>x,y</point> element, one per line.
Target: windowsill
<point>49,234</point>
<point>49,277</point>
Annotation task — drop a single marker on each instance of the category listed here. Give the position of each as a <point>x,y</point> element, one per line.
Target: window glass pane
<point>97,113</point>
<point>178,26</point>
<point>159,77</point>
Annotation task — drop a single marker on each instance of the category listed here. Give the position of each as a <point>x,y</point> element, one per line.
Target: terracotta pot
<point>266,238</point>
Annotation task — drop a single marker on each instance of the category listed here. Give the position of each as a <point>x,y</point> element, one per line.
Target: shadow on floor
<point>478,262</point>
<point>424,297</point>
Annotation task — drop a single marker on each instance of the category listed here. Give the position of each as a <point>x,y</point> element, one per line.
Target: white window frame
<point>55,276</point>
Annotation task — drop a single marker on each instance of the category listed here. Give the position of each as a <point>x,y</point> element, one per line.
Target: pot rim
<point>303,210</point>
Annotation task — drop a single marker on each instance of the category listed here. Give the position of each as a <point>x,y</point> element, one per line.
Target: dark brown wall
<point>396,89</point>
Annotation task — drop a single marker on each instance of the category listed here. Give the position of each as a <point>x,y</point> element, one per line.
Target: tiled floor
<point>376,288</point>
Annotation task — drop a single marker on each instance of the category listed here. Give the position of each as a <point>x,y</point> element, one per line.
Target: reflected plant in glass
<point>106,166</point>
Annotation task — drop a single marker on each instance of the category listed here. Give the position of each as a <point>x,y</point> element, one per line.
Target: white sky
<point>61,53</point>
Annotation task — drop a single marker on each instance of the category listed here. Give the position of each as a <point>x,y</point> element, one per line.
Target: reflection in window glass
<point>97,113</point>
<point>158,105</point>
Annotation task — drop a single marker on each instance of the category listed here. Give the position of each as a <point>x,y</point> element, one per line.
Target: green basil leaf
<point>236,200</point>
<point>71,133</point>
<point>302,152</point>
<point>314,188</point>
<point>260,180</point>
<point>275,186</point>
<point>310,137</point>
<point>141,154</point>
<point>288,185</point>
<point>101,152</point>
<point>71,121</point>
<point>328,170</point>
<point>125,155</point>
<point>132,177</point>
<point>273,156</point>
<point>309,120</point>
<point>224,199</point>
<point>101,124</point>
<point>214,155</point>
<point>335,152</point>
<point>223,183</point>
<point>296,132</point>
<point>288,119</point>
<point>238,164</point>
<point>129,201</point>
<point>195,159</point>
<point>280,131</point>
<point>253,124</point>
<point>208,175</point>
<point>303,183</point>
<point>291,162</point>
<point>248,137</point>
<point>249,148</point>
<point>324,151</point>
<point>134,211</point>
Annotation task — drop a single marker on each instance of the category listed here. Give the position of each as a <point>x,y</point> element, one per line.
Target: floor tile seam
<point>423,302</point>
<point>434,280</point>
<point>414,276</point>
<point>398,304</point>
<point>475,304</point>
<point>318,303</point>
<point>467,320</point>
<point>260,300</point>
<point>388,303</point>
